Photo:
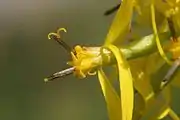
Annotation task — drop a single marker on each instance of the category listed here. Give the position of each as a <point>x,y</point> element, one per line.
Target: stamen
<point>61,29</point>
<point>57,38</point>
<point>172,30</point>
<point>60,74</point>
<point>170,73</point>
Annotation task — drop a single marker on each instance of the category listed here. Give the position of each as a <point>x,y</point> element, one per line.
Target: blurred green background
<point>27,56</point>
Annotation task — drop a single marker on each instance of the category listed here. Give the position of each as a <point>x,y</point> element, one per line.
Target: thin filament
<point>156,35</point>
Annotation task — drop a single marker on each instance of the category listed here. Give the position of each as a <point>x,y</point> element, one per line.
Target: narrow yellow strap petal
<point>168,112</point>
<point>158,110</point>
<point>164,113</point>
<point>112,99</point>
<point>173,115</point>
<point>126,84</point>
<point>121,23</point>
<point>156,35</point>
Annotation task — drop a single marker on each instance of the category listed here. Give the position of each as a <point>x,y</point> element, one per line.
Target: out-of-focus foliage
<point>143,92</point>
<point>151,15</point>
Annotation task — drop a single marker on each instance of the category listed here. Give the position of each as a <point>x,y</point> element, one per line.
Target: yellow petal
<point>173,115</point>
<point>126,84</point>
<point>121,23</point>
<point>160,49</point>
<point>112,99</point>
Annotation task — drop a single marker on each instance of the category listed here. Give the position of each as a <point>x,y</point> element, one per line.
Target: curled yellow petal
<point>126,84</point>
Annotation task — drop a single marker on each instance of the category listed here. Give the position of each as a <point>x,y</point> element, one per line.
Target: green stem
<point>139,48</point>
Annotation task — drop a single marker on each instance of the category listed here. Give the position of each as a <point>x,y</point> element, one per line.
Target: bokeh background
<point>27,56</point>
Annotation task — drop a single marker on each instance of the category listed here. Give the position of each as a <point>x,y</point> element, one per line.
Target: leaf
<point>141,78</point>
<point>121,23</point>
